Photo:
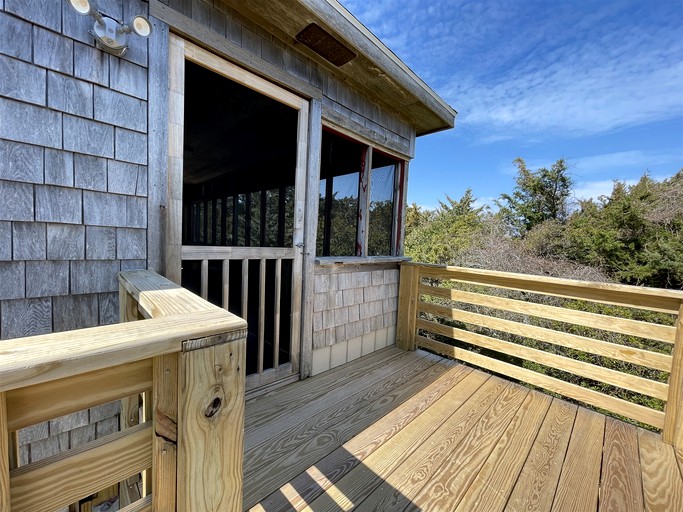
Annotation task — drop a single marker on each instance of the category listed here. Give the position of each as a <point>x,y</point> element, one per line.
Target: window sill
<point>340,261</point>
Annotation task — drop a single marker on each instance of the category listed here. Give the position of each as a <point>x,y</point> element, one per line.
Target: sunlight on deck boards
<point>412,431</point>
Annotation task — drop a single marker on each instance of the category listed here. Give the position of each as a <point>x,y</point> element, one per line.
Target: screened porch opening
<point>239,168</point>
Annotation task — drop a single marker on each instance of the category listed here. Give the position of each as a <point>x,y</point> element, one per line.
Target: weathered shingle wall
<point>355,312</point>
<point>73,166</point>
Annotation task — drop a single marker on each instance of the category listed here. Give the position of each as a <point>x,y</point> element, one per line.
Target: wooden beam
<point>211,428</point>
<point>654,299</point>
<point>673,424</point>
<point>165,440</point>
<point>626,326</point>
<point>4,457</point>
<point>70,476</point>
<point>364,203</point>
<point>38,359</point>
<point>33,404</point>
<point>589,396</point>
<point>407,306</point>
<point>564,339</point>
<point>567,364</point>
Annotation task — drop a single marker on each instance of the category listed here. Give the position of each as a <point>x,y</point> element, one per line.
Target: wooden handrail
<point>458,316</point>
<point>188,360</point>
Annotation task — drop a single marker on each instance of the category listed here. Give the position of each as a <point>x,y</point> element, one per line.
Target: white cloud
<point>595,189</point>
<point>533,68</point>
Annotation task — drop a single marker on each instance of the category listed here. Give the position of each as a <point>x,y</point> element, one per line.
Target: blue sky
<point>597,82</point>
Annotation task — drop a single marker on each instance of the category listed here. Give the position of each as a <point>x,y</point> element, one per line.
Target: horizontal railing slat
<point>192,252</point>
<point>654,299</point>
<point>564,339</point>
<point>626,326</point>
<point>590,371</point>
<point>630,410</point>
<point>28,361</point>
<point>73,475</point>
<point>34,404</point>
<point>142,505</point>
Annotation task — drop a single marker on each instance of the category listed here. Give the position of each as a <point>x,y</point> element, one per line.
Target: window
<point>357,210</point>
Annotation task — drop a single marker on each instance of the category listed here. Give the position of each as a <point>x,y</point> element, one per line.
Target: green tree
<point>635,234</point>
<point>441,235</point>
<point>538,196</point>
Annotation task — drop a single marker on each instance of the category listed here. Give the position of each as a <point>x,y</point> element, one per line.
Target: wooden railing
<point>484,317</point>
<point>187,358</point>
<point>270,304</point>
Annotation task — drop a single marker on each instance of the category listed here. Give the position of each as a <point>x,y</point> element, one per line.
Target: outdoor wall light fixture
<point>112,35</point>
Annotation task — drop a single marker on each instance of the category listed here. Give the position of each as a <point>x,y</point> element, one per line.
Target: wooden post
<point>407,307</point>
<point>211,424</point>
<point>673,419</point>
<point>130,416</point>
<point>4,456</point>
<point>164,443</point>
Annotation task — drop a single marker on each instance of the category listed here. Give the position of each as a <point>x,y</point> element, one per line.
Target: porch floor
<point>401,430</point>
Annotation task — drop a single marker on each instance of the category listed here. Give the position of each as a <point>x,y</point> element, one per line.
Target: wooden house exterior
<point>213,153</point>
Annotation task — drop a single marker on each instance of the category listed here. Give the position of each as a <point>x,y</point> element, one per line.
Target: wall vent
<point>325,45</point>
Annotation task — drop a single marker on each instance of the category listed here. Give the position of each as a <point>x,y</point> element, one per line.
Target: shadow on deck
<point>401,430</point>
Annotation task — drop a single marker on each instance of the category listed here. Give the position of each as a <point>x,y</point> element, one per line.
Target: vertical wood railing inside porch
<point>468,314</point>
<point>269,366</point>
<point>186,358</point>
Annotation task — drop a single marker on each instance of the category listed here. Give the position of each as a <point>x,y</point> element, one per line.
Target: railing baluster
<point>245,288</point>
<point>276,319</point>
<point>205,279</point>
<point>261,314</point>
<point>225,281</point>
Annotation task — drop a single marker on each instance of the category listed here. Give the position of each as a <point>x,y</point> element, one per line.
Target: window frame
<point>364,202</point>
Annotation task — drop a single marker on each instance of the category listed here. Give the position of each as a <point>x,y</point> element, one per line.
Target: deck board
<point>622,486</point>
<point>411,431</point>
<point>494,483</point>
<point>581,467</point>
<point>537,482</point>
<point>662,485</point>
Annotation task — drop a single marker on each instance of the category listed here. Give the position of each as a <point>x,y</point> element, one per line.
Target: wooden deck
<point>401,430</point>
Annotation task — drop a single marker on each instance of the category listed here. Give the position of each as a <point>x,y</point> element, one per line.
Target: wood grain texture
<point>673,421</point>
<point>621,352</point>
<point>495,481</point>
<point>662,483</point>
<point>621,488</point>
<point>143,505</point>
<point>384,463</point>
<point>317,479</point>
<point>157,141</point>
<point>211,428</point>
<point>655,299</point>
<point>165,440</point>
<point>626,326</point>
<point>280,404</point>
<point>310,235</point>
<point>39,359</point>
<point>317,442</point>
<point>581,467</point>
<point>591,371</point>
<point>407,305</point>
<point>34,404</point>
<point>73,475</point>
<point>447,483</point>
<point>535,487</point>
<point>589,396</point>
<point>304,411</point>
